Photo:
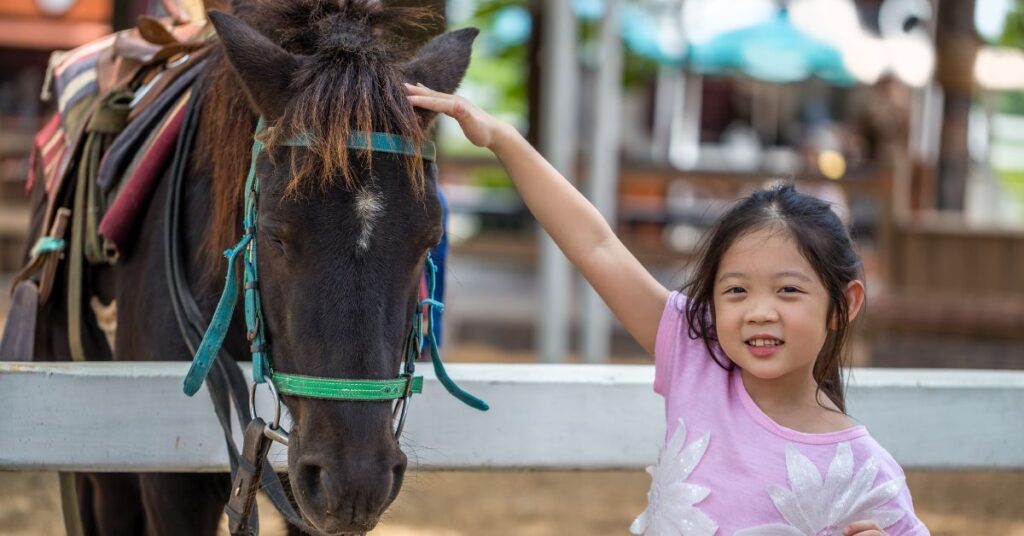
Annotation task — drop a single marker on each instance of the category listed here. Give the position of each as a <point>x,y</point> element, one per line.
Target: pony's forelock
<point>346,84</point>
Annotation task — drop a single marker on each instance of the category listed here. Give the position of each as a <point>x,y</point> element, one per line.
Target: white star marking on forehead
<point>368,209</point>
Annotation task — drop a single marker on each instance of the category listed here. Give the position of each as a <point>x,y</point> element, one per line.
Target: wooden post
<point>956,44</point>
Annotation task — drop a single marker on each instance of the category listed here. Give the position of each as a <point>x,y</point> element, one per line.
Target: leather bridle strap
<point>225,383</point>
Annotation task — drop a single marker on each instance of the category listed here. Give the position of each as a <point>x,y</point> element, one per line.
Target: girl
<point>748,357</point>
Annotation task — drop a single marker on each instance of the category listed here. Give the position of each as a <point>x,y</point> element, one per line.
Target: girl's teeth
<point>764,342</point>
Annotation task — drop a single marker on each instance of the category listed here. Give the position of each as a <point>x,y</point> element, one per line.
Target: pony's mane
<point>351,82</point>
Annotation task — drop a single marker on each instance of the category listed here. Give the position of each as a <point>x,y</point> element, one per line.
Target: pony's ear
<point>441,64</point>
<point>266,70</point>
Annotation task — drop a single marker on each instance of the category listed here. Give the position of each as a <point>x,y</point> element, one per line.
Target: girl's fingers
<point>862,527</point>
<point>420,89</point>
<point>435,104</point>
<point>420,95</point>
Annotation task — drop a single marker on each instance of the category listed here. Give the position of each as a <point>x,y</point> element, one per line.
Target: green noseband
<point>399,388</point>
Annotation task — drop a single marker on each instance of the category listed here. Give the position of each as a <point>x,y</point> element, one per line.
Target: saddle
<point>120,101</point>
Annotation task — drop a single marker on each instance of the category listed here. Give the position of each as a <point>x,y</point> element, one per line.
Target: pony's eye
<point>276,242</point>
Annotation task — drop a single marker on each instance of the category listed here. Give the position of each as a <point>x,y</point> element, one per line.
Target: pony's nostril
<point>311,479</point>
<point>398,471</point>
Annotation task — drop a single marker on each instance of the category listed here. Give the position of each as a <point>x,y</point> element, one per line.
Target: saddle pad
<point>75,76</point>
<point>121,219</point>
<point>53,147</point>
<point>47,151</point>
<point>133,137</point>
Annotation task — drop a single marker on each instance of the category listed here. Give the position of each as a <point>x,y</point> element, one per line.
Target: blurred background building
<point>907,114</point>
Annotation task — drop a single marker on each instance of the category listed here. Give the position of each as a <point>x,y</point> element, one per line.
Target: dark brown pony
<point>342,238</point>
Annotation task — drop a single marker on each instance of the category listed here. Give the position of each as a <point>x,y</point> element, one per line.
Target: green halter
<point>309,386</point>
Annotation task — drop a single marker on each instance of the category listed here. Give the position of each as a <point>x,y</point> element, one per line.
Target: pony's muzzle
<point>344,497</point>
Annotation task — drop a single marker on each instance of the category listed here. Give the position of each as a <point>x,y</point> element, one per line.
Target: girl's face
<point>770,306</point>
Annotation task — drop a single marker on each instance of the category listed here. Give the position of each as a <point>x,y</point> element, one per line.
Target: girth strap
<point>108,120</point>
<point>106,123</point>
<point>46,255</point>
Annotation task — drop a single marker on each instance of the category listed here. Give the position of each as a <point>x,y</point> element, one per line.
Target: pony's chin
<point>332,526</point>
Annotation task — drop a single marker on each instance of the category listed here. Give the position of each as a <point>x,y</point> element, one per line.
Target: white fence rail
<point>128,417</point>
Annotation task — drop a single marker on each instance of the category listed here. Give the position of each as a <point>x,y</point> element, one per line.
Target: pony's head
<point>342,233</point>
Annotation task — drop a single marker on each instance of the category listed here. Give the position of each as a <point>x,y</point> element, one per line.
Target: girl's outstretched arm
<point>633,295</point>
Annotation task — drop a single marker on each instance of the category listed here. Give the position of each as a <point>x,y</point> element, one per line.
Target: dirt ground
<point>561,503</point>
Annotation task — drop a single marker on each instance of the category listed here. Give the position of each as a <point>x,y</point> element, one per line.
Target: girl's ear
<point>854,298</point>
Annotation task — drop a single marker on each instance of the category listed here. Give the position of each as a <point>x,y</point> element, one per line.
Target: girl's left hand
<point>864,528</point>
<point>480,127</point>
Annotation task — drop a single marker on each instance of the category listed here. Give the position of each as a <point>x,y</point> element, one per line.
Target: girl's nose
<point>762,313</point>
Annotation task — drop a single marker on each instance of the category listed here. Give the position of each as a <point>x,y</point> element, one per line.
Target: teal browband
<point>308,386</point>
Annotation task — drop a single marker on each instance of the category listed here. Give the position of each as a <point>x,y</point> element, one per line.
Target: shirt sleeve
<point>909,524</point>
<point>667,343</point>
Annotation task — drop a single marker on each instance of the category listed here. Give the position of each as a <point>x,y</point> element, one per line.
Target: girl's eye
<point>734,290</point>
<point>790,290</point>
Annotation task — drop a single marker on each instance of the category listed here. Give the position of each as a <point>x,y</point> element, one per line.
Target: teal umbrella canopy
<point>773,51</point>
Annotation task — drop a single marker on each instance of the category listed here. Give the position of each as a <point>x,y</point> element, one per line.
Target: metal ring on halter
<point>276,434</point>
<point>277,400</point>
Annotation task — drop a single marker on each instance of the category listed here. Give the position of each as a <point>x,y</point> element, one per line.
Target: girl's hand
<point>864,528</point>
<point>481,128</point>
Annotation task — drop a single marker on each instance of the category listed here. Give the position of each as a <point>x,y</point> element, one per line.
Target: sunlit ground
<point>951,503</point>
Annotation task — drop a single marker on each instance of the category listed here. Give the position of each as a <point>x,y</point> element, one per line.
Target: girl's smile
<point>763,345</point>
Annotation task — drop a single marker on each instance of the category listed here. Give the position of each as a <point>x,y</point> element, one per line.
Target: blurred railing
<point>954,296</point>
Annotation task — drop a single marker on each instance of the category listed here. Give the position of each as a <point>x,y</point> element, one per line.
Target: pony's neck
<point>222,153</point>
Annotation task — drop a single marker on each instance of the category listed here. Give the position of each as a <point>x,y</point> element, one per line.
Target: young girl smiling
<point>748,357</point>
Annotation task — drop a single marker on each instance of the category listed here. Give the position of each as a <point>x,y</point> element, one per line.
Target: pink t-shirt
<point>728,469</point>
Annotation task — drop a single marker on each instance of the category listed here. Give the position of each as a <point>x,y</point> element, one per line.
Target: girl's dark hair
<point>822,239</point>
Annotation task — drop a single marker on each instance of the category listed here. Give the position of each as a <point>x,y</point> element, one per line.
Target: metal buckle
<point>276,434</point>
<point>273,429</point>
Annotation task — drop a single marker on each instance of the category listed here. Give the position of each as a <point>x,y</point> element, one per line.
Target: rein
<point>225,382</point>
<point>399,389</point>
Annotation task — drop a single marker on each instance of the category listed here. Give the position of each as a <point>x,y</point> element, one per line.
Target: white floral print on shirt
<point>670,502</point>
<point>824,507</point>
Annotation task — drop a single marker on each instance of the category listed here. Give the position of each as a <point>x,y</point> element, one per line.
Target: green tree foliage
<point>1012,102</point>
